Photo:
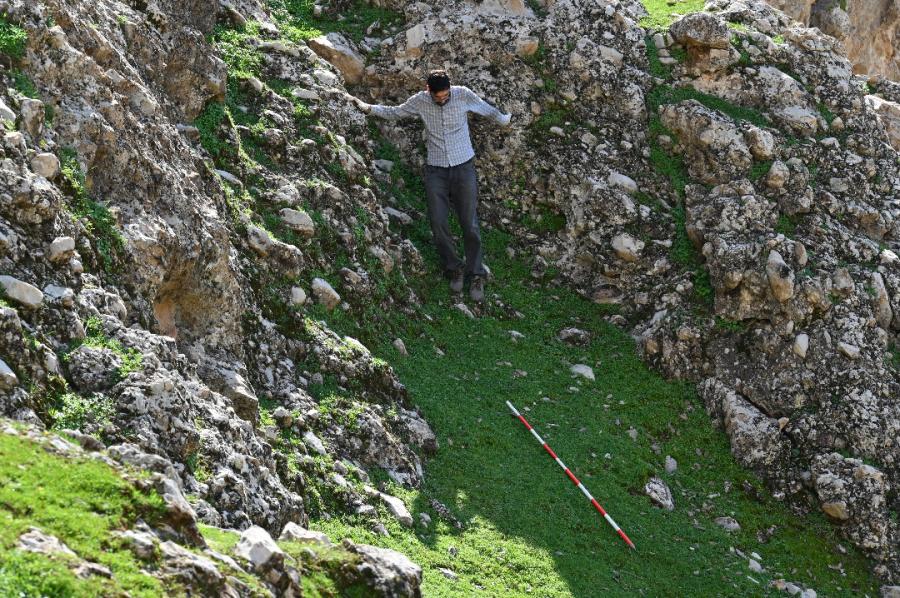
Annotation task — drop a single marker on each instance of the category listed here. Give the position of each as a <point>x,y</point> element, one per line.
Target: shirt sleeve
<point>479,106</point>
<point>407,109</point>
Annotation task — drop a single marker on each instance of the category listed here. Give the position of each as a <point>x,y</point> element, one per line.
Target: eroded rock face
<point>867,28</point>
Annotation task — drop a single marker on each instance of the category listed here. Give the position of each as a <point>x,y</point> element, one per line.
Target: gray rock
<point>6,113</point>
<point>8,378</point>
<point>625,183</point>
<point>298,221</point>
<point>257,547</point>
<point>45,165</point>
<point>397,509</point>
<point>32,112</point>
<point>659,493</point>
<point>585,371</point>
<point>671,465</point>
<point>325,293</point>
<point>21,292</point>
<point>801,345</point>
<point>295,533</point>
<point>627,247</point>
<point>729,524</point>
<point>35,540</point>
<point>702,30</point>
<point>298,296</point>
<point>388,572</point>
<point>340,52</point>
<point>62,249</point>
<point>780,276</point>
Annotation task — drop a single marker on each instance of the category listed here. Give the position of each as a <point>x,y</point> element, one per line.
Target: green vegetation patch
<point>299,23</point>
<point>12,39</point>
<point>81,502</point>
<point>97,218</point>
<point>662,14</point>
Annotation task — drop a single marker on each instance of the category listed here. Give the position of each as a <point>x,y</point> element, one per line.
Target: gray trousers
<point>456,187</point>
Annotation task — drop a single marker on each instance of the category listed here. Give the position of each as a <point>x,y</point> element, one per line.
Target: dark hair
<point>438,80</point>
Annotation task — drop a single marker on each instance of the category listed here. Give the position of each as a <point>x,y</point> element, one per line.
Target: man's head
<point>438,85</point>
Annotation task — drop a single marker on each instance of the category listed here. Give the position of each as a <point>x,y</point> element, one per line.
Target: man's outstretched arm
<point>479,106</point>
<point>407,109</point>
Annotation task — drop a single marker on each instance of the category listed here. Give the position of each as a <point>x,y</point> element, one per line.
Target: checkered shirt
<point>447,126</point>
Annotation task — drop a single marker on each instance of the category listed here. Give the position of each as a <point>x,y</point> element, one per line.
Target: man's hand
<point>362,106</point>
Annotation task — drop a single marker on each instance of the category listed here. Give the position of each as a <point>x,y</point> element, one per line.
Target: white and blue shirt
<point>447,126</point>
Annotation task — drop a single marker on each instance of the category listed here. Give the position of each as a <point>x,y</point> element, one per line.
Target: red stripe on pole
<point>598,507</point>
<point>573,478</point>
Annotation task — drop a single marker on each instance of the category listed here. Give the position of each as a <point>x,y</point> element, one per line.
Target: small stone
<point>837,510</point>
<point>400,346</point>
<point>298,221</point>
<point>557,131</point>
<point>465,310</point>
<point>729,524</point>
<point>397,509</point>
<point>801,345</point>
<point>627,247</point>
<point>848,350</point>
<point>62,249</point>
<point>671,465</point>
<point>8,378</point>
<point>35,540</point>
<point>325,293</point>
<point>295,533</point>
<point>448,573</point>
<point>45,165</point>
<point>6,113</point>
<point>585,371</point>
<point>21,292</point>
<point>755,566</point>
<point>313,442</point>
<point>781,277</point>
<point>625,183</point>
<point>425,519</point>
<point>257,547</point>
<point>298,296</point>
<point>659,493</point>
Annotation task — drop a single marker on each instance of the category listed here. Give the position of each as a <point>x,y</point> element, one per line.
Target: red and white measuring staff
<point>572,476</point>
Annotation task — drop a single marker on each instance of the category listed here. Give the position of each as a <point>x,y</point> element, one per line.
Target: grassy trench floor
<point>527,529</point>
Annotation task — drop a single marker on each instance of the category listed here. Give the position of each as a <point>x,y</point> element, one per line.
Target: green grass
<point>526,529</point>
<point>98,220</point>
<point>664,94</point>
<point>657,68</point>
<point>24,85</point>
<point>661,14</point>
<point>299,24</point>
<point>79,501</point>
<point>12,39</point>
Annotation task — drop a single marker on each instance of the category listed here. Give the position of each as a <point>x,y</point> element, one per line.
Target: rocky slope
<point>174,218</point>
<point>867,28</point>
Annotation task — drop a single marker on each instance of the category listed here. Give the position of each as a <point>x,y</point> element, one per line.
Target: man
<point>450,171</point>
